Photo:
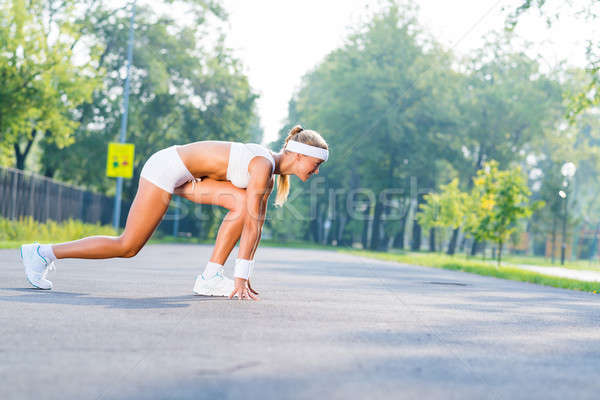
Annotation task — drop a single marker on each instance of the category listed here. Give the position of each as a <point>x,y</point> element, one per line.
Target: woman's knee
<point>127,247</point>
<point>237,204</point>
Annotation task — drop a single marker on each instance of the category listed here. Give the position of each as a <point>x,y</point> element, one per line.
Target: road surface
<point>328,326</point>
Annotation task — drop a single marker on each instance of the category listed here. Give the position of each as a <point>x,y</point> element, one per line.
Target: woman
<point>233,175</point>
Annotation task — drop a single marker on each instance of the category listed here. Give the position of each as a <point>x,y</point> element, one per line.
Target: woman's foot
<point>217,285</point>
<point>36,266</point>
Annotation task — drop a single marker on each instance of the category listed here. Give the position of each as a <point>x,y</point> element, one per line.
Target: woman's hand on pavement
<point>242,290</point>
<point>251,288</point>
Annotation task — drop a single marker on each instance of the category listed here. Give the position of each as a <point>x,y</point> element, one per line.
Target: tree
<point>446,209</point>
<point>588,10</point>
<point>40,82</point>
<point>182,90</point>
<point>507,105</point>
<point>498,200</point>
<point>384,104</point>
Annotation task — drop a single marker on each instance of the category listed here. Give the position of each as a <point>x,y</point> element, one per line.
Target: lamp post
<point>567,170</point>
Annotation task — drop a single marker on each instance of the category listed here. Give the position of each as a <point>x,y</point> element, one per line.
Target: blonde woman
<point>233,175</point>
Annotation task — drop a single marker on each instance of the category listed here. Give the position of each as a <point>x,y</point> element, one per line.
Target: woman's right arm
<point>263,213</point>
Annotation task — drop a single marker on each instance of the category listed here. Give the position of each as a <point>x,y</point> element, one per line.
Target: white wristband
<point>251,271</point>
<point>242,268</point>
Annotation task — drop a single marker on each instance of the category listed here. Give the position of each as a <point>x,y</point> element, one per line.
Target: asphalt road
<point>329,326</point>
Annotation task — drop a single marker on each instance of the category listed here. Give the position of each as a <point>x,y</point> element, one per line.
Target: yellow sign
<point>120,160</point>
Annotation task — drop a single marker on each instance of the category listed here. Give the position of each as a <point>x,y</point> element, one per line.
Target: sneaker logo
<point>38,251</point>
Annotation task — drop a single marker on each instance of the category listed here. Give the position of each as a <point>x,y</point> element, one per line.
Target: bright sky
<point>281,40</point>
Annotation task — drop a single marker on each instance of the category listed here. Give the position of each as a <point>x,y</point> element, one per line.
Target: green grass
<point>8,244</point>
<point>546,262</point>
<point>473,266</point>
<point>26,230</point>
<point>158,239</point>
<point>297,244</point>
<point>583,265</point>
<point>264,243</point>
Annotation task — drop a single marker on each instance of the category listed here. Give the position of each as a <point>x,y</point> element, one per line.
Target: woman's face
<point>307,166</point>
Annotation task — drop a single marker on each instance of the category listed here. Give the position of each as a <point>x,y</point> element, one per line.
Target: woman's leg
<point>223,194</point>
<point>228,235</point>
<point>147,210</point>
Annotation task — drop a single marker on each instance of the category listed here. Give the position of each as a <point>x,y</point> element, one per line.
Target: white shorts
<point>166,170</point>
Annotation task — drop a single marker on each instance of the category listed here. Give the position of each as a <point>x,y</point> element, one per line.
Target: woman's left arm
<point>263,213</point>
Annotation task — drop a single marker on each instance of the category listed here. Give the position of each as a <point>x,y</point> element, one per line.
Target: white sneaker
<point>36,266</point>
<point>218,285</point>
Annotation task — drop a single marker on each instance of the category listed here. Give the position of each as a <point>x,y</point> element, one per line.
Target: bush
<point>26,229</point>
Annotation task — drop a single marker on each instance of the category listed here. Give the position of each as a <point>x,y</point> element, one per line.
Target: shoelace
<point>51,267</point>
<point>219,273</point>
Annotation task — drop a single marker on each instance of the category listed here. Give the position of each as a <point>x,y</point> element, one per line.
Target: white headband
<point>308,150</point>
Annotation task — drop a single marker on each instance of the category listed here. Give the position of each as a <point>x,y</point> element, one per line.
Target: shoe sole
<point>211,295</point>
<point>36,286</point>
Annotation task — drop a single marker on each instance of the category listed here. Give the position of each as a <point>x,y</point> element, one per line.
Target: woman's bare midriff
<point>206,159</point>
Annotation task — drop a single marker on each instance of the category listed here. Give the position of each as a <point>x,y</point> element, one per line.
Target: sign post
<point>117,210</point>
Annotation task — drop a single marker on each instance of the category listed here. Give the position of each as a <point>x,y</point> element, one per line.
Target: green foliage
<point>446,209</point>
<point>498,200</point>
<point>490,212</point>
<point>384,102</point>
<point>382,92</point>
<point>182,91</point>
<point>507,104</point>
<point>7,157</point>
<point>41,83</point>
<point>588,10</point>
<point>27,230</point>
<point>394,111</point>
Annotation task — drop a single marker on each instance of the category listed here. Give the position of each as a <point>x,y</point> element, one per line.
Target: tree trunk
<point>553,237</point>
<point>415,244</point>
<point>314,230</point>
<point>432,240</point>
<point>399,238</point>
<point>500,253</point>
<point>376,233</point>
<point>463,242</point>
<point>341,227</point>
<point>453,240</point>
<point>21,156</point>
<point>365,232</point>
<point>474,247</point>
<point>385,241</point>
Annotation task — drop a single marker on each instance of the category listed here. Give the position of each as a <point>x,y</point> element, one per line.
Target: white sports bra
<point>240,155</point>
